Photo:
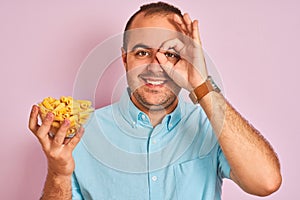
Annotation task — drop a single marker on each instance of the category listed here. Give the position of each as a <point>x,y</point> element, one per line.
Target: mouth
<point>154,82</point>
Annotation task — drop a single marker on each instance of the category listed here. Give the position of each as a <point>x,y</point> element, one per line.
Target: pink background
<point>254,44</point>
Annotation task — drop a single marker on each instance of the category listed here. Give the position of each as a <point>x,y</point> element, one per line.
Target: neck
<point>156,117</point>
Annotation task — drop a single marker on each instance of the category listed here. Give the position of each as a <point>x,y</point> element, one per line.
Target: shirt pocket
<point>195,179</point>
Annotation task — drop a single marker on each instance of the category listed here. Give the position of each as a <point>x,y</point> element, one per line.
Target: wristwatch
<point>199,92</point>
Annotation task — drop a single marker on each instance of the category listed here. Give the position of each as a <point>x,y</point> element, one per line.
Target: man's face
<point>151,87</point>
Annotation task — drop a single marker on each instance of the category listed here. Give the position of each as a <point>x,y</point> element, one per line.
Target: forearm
<point>254,164</point>
<point>57,187</point>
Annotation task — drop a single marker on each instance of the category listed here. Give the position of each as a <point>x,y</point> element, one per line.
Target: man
<point>151,144</point>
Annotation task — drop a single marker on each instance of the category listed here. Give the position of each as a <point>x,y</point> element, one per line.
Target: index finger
<point>179,21</point>
<point>174,44</point>
<point>75,140</point>
<point>188,23</point>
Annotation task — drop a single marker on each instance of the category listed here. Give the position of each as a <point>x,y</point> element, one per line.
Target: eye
<point>142,53</point>
<point>171,55</point>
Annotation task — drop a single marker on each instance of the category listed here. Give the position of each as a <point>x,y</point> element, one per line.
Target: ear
<point>124,57</point>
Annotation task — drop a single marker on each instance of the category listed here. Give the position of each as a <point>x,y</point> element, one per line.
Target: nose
<point>154,65</point>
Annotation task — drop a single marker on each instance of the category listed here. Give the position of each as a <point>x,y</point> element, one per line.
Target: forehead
<point>152,30</point>
<point>161,20</point>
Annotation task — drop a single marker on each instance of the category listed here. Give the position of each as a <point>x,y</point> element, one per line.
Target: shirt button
<point>143,117</point>
<point>133,124</point>
<point>154,178</point>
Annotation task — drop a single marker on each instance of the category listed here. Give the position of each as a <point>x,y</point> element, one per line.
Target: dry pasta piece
<point>71,131</point>
<point>66,115</point>
<point>82,120</point>
<point>84,115</point>
<point>62,111</point>
<point>56,124</point>
<point>50,99</point>
<point>84,104</point>
<point>73,119</point>
<point>43,109</point>
<point>69,109</point>
<point>59,118</point>
<point>59,109</point>
<point>75,111</point>
<point>56,103</point>
<point>66,100</point>
<point>47,104</point>
<point>75,107</point>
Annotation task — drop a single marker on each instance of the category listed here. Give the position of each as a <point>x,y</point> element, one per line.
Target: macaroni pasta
<point>76,111</point>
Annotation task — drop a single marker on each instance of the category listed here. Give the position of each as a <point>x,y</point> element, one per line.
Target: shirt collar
<point>174,117</point>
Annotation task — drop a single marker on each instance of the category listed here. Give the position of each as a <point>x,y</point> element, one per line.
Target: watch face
<point>214,85</point>
<point>203,89</point>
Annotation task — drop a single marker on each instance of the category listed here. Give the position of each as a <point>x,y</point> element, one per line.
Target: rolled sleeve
<point>224,167</point>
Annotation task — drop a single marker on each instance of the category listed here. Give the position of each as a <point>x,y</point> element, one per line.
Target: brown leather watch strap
<point>200,91</point>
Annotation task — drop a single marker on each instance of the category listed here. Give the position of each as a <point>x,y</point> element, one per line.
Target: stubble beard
<point>163,101</point>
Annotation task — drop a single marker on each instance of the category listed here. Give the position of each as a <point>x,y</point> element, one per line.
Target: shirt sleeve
<point>223,165</point>
<point>76,193</point>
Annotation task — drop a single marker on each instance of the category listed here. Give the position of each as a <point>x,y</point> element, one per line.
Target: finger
<point>60,135</point>
<point>165,64</point>
<point>33,119</point>
<point>174,44</point>
<point>179,21</point>
<point>66,140</point>
<point>188,22</point>
<point>74,141</point>
<point>42,132</point>
<point>196,34</point>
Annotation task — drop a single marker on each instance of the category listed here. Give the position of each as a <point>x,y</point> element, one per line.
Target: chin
<point>156,101</point>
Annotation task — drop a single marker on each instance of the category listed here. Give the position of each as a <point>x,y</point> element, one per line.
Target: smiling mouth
<point>153,81</point>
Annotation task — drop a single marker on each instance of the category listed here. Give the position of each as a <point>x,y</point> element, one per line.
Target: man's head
<point>145,32</point>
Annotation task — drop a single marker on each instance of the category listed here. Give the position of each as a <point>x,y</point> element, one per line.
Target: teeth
<point>155,82</point>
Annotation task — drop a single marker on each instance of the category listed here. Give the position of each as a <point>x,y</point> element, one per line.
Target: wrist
<point>61,168</point>
<point>195,82</point>
<point>57,187</point>
<point>203,89</point>
<point>58,177</point>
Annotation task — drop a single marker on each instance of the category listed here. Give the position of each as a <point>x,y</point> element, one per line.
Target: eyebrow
<point>140,45</point>
<point>172,48</point>
<point>144,46</point>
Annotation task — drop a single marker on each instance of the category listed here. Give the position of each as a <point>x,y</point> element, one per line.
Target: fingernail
<point>66,122</point>
<point>49,115</point>
<point>177,18</point>
<point>80,131</point>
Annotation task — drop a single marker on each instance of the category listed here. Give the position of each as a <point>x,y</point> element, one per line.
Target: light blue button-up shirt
<point>122,156</point>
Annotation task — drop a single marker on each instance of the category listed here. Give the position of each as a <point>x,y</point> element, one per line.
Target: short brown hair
<point>150,9</point>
